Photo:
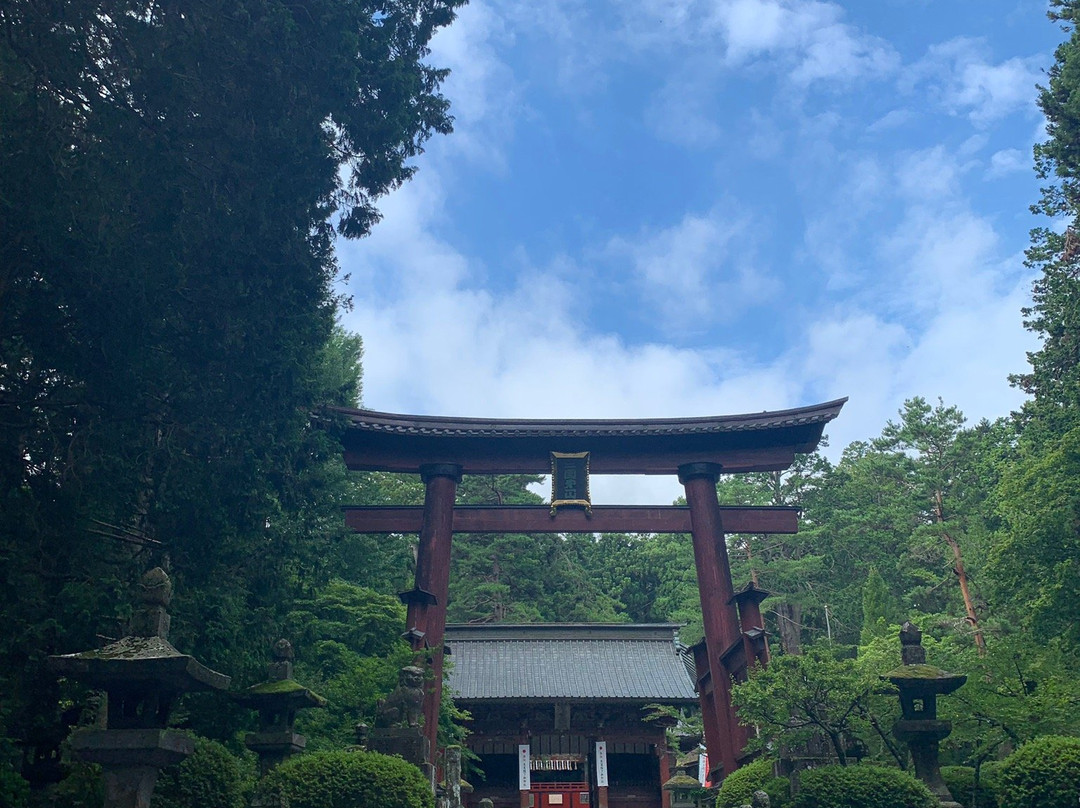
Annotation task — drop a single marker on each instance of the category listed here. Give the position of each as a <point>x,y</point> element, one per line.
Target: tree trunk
<point>789,617</point>
<point>961,574</point>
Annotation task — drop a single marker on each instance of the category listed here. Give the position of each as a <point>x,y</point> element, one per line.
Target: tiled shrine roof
<point>620,661</point>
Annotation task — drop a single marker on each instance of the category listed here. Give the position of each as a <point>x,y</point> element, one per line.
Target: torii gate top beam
<point>765,441</point>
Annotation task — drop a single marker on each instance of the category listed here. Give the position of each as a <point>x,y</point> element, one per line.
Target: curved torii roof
<point>765,441</point>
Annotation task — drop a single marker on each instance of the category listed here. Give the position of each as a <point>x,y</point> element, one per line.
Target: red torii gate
<point>698,450</point>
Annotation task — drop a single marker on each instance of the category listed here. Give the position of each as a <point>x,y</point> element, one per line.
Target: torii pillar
<point>426,619</point>
<point>719,615</point>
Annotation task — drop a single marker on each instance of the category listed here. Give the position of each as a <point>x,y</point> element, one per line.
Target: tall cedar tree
<point>172,176</point>
<point>1035,566</point>
<point>1054,377</point>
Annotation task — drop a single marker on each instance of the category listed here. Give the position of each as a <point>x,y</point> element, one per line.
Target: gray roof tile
<point>568,661</point>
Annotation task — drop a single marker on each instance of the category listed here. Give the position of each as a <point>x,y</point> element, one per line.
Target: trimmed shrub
<point>739,786</point>
<point>1044,773</point>
<point>861,786</point>
<point>960,780</point>
<point>13,789</point>
<point>82,788</point>
<point>348,780</point>
<point>211,777</point>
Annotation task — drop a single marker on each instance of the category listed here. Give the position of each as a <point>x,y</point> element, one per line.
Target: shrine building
<point>558,711</point>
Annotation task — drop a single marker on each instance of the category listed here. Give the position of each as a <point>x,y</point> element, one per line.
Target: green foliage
<point>348,780</point>
<point>799,696</point>
<point>1054,376</point>
<point>862,786</point>
<point>875,605</point>
<point>1035,567</point>
<point>1044,773</point>
<point>212,777</point>
<point>788,566</point>
<point>14,790</point>
<point>739,786</point>
<point>519,578</point>
<point>349,651</point>
<point>81,788</point>
<point>651,577</point>
<point>1020,689</point>
<point>167,305</point>
<point>960,780</point>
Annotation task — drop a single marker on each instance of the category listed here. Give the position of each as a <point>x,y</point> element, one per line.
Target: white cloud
<point>930,307</point>
<point>957,76</point>
<point>681,112</point>
<point>697,270</point>
<point>1008,161</point>
<point>930,174</point>
<point>893,119</point>
<point>486,99</point>
<point>808,40</point>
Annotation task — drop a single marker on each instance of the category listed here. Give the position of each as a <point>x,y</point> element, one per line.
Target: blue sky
<point>662,208</point>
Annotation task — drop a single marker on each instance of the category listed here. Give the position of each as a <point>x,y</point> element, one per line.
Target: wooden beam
<point>538,519</point>
<point>529,460</point>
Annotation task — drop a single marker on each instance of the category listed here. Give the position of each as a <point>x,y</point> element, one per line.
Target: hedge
<point>739,786</point>
<point>861,786</point>
<point>1044,773</point>
<point>211,777</point>
<point>348,780</point>
<point>960,780</point>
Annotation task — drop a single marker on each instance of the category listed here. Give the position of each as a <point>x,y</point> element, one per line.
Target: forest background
<point>168,342</point>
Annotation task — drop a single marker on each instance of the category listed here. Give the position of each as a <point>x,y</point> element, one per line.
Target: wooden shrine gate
<point>698,450</point>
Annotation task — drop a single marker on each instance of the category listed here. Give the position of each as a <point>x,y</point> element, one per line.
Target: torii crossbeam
<point>697,450</point>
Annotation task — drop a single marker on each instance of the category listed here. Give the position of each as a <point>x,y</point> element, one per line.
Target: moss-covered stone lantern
<point>142,676</point>
<point>278,700</point>
<point>919,685</point>
<point>683,789</point>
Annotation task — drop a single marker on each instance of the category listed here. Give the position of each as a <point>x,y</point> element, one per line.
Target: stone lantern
<point>142,676</point>
<point>683,789</point>
<point>278,699</point>
<point>919,685</point>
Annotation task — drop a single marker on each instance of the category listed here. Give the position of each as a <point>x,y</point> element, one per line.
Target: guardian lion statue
<point>405,706</point>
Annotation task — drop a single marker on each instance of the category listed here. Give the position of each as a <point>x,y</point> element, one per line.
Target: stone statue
<point>759,799</point>
<point>405,706</point>
<point>280,666</point>
<point>151,615</point>
<point>155,588</point>
<point>283,650</point>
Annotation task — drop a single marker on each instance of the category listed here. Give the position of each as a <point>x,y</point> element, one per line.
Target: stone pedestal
<point>130,760</point>
<point>274,747</point>
<point>922,738</point>
<point>407,742</point>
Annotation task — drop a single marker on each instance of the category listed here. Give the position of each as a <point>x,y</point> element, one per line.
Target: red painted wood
<point>433,575</point>
<point>604,519</point>
<point>719,616</point>
<point>708,711</point>
<point>506,459</point>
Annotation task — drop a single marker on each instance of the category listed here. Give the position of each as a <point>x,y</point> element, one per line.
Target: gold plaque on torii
<point>570,481</point>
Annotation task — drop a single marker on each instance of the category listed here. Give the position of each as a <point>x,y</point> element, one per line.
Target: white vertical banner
<point>703,768</point>
<point>601,763</point>
<point>524,776</point>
